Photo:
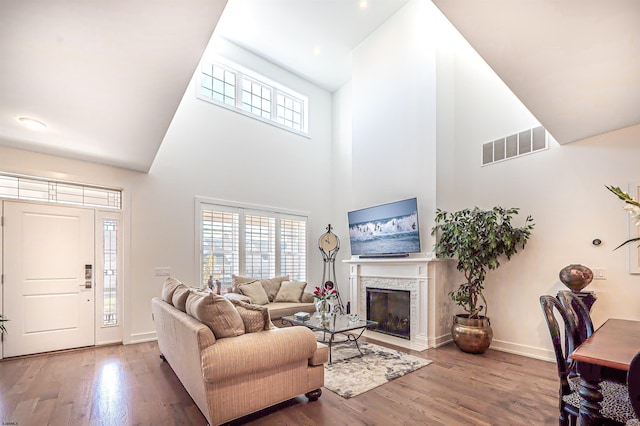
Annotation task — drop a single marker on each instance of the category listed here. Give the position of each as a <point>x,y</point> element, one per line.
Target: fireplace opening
<point>391,309</point>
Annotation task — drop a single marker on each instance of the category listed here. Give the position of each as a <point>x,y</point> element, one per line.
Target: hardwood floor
<point>130,385</point>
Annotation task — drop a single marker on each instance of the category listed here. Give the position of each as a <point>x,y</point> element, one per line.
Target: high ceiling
<point>574,64</point>
<point>311,38</point>
<point>107,77</point>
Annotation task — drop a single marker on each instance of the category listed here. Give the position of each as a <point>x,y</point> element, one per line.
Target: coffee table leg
<point>330,342</point>
<point>355,339</point>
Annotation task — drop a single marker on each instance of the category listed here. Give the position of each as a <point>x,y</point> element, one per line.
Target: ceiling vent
<point>516,145</point>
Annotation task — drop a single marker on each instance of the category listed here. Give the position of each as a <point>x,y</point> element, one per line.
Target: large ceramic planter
<point>472,335</point>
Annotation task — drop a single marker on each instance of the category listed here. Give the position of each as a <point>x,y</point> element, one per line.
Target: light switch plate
<point>599,273</point>
<point>163,271</point>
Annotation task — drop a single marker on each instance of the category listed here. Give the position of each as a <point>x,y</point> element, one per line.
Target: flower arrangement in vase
<point>322,295</point>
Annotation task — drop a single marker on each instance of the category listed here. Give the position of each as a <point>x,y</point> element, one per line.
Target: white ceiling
<point>107,77</point>
<point>574,64</point>
<point>311,38</point>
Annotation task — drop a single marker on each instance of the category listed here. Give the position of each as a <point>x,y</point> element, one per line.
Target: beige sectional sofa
<point>229,356</point>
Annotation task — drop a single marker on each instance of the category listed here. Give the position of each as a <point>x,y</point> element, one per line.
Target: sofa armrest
<point>320,356</point>
<point>257,352</point>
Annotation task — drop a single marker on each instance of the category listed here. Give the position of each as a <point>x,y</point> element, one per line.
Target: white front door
<point>48,278</point>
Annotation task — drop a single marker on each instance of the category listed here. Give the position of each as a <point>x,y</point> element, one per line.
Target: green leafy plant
<point>631,205</point>
<point>478,239</point>
<point>2,320</point>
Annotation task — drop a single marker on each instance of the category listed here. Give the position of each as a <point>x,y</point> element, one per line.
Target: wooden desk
<point>613,345</point>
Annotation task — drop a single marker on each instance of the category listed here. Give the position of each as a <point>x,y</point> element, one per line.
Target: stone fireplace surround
<point>428,281</point>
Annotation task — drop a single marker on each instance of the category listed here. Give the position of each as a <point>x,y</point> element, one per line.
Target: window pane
<point>110,272</point>
<point>220,246</point>
<point>293,249</point>
<point>260,247</point>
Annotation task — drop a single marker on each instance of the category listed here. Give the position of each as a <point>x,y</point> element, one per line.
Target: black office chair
<point>616,407</point>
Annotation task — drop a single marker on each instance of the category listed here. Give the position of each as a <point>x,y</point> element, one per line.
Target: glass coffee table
<point>332,325</point>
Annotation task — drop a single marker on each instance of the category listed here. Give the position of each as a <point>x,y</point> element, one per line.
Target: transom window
<point>232,86</point>
<point>250,242</point>
<point>58,192</point>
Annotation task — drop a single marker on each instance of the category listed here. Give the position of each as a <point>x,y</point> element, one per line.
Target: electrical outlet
<point>163,271</point>
<point>599,273</point>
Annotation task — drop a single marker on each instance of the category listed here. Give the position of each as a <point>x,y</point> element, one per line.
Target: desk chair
<point>616,408</point>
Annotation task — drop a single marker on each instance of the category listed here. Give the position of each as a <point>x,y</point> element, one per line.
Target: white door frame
<point>104,335</point>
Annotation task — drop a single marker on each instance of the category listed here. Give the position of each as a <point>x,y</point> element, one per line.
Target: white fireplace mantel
<point>429,281</point>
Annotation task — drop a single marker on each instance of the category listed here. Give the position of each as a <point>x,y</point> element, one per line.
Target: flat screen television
<point>386,230</point>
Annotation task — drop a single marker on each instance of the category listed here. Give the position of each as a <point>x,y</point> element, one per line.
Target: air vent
<point>512,146</point>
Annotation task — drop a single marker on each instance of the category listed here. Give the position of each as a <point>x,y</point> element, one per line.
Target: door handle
<point>88,276</point>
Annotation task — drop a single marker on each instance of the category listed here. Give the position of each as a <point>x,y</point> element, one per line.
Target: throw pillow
<point>217,312</point>
<point>236,280</point>
<point>255,292</point>
<point>179,298</point>
<point>255,318</point>
<point>290,291</point>
<point>272,286</point>
<point>307,297</point>
<point>169,286</point>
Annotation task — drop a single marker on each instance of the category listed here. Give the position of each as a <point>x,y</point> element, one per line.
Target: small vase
<point>322,307</point>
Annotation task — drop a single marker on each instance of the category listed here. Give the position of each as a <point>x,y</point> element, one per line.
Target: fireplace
<point>391,309</point>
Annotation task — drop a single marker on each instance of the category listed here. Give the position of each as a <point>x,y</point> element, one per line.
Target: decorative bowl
<point>576,277</point>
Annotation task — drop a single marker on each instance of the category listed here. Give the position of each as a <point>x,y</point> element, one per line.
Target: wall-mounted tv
<point>386,230</point>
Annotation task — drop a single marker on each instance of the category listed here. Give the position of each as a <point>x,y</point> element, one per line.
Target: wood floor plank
<point>130,385</point>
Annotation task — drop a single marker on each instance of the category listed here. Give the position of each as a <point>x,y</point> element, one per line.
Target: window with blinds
<point>253,243</point>
<point>293,248</point>
<point>220,245</point>
<point>260,246</point>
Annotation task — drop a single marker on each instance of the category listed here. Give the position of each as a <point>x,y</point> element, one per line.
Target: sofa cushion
<point>217,312</point>
<point>278,310</point>
<point>168,288</point>
<point>255,292</point>
<point>179,298</point>
<point>255,317</point>
<point>270,285</point>
<point>290,291</point>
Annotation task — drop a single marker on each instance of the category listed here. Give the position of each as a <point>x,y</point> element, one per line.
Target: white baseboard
<point>141,338</point>
<point>524,350</point>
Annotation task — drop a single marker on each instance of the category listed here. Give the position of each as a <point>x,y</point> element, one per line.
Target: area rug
<point>352,374</point>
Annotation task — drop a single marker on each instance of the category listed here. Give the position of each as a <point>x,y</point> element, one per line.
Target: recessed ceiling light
<point>32,123</point>
<point>317,51</point>
<point>363,4</point>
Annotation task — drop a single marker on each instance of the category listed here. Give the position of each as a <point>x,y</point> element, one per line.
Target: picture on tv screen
<point>386,229</point>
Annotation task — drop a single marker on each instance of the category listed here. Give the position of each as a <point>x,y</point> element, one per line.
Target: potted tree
<point>478,239</point>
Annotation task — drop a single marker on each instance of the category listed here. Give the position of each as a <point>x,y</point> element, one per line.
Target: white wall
<point>399,124</point>
<point>563,189</point>
<point>393,118</point>
<point>212,152</point>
